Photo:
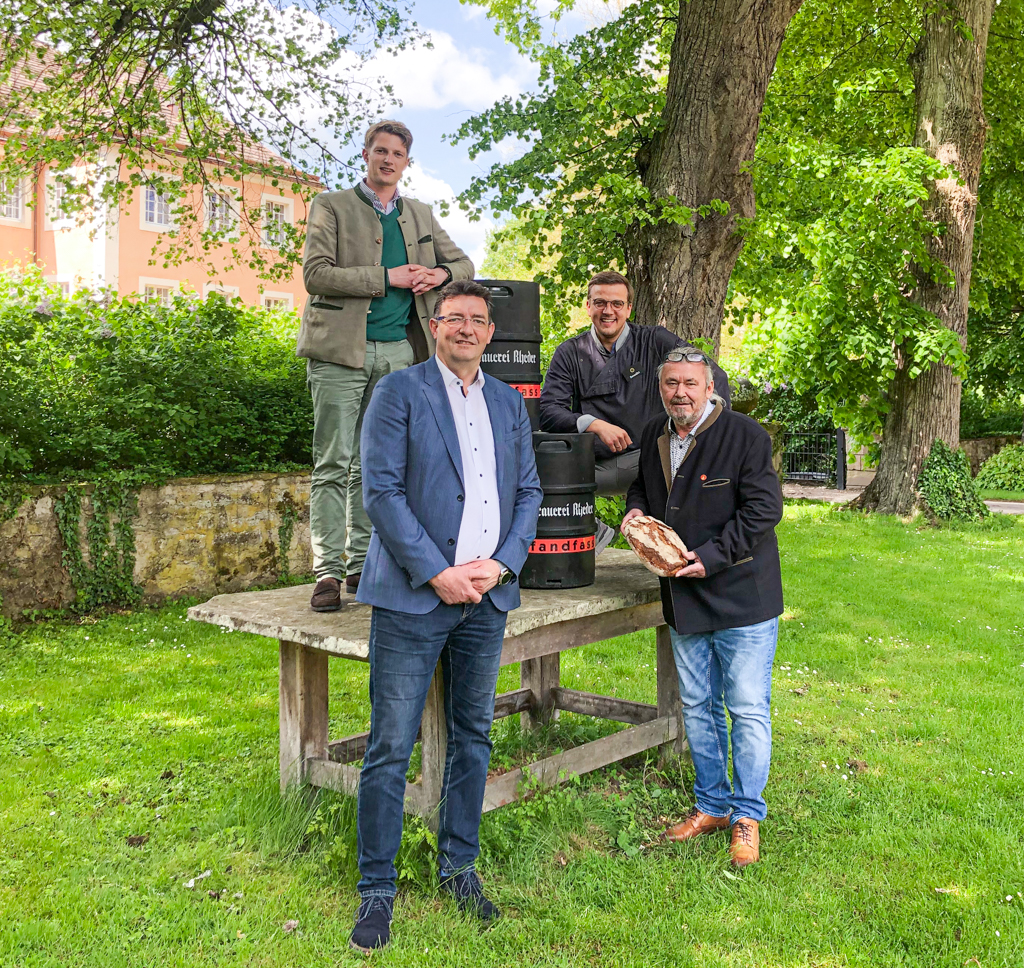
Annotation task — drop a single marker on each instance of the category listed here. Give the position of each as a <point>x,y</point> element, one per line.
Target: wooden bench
<point>624,598</point>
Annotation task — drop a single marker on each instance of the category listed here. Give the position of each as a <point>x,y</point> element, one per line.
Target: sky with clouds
<point>466,69</point>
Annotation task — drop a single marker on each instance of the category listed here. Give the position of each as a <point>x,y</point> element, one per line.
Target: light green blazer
<point>342,272</point>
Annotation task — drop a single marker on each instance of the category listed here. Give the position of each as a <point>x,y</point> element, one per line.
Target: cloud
<point>469,236</point>
<point>447,75</point>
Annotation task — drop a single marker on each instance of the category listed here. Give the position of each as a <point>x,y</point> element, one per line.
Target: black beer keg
<point>513,355</point>
<point>562,555</point>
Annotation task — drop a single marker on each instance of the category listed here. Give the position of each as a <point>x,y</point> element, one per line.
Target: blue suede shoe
<point>469,895</point>
<point>373,924</point>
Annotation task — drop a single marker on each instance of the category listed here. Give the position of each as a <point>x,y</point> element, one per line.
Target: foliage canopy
<point>182,94</point>
<point>824,280</point>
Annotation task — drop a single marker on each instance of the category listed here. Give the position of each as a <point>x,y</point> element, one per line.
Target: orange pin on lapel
<point>703,477</point>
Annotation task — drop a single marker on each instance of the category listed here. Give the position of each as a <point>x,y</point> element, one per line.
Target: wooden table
<point>624,598</point>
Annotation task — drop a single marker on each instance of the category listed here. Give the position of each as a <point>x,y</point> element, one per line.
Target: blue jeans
<point>734,665</point>
<point>404,650</point>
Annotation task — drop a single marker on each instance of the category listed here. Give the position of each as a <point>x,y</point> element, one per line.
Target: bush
<point>1003,471</point>
<point>984,417</point>
<point>946,485</point>
<point>93,384</point>
<point>797,412</point>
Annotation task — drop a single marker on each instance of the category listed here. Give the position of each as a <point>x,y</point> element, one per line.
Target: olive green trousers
<point>339,529</point>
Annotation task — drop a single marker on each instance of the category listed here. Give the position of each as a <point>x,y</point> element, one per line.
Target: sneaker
<point>373,924</point>
<point>469,895</point>
<point>326,595</point>
<point>605,536</point>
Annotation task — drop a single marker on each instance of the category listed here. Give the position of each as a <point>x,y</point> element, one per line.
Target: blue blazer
<point>413,487</point>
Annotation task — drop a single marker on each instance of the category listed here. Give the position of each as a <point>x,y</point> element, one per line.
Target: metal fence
<point>816,457</point>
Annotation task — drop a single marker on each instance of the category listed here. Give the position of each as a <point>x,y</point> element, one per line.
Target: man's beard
<point>685,423</point>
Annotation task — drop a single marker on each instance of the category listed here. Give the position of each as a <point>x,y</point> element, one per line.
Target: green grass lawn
<point>902,653</point>
<point>988,495</point>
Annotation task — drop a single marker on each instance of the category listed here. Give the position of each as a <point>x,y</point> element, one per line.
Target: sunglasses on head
<point>687,356</point>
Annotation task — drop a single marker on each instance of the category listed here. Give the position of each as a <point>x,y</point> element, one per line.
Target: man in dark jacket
<point>604,381</point>
<point>707,472</point>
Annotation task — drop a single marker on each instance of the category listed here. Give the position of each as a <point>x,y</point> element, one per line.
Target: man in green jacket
<point>371,261</point>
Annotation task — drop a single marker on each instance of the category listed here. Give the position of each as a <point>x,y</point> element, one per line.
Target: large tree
<point>924,405</point>
<point>722,56</point>
<point>182,94</point>
<point>849,274</point>
<point>643,135</point>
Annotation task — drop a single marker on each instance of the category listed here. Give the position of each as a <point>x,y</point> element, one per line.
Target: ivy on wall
<point>12,496</point>
<point>107,580</point>
<point>946,486</point>
<point>289,512</point>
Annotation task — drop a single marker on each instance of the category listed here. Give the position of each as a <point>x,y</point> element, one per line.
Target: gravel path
<point>830,494</point>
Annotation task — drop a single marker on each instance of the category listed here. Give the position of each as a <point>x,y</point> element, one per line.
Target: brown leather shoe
<point>352,583</point>
<point>745,847</point>
<point>694,825</point>
<point>326,595</point>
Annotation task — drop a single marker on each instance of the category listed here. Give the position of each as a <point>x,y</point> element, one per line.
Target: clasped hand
<point>418,278</point>
<point>459,584</point>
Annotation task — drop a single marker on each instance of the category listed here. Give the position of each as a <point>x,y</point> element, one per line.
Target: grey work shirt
<point>586,419</point>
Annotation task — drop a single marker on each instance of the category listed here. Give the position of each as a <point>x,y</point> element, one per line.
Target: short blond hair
<point>396,128</point>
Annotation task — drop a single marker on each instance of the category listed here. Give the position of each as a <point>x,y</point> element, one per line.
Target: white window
<point>221,213</point>
<point>277,214</point>
<point>12,198</point>
<point>157,210</point>
<point>228,292</point>
<point>161,291</point>
<point>277,300</point>
<point>56,193</point>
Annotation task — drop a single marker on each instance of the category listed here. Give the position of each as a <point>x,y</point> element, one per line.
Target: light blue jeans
<point>728,669</point>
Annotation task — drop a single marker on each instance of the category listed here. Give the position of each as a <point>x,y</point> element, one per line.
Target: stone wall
<point>194,536</point>
<point>980,449</point>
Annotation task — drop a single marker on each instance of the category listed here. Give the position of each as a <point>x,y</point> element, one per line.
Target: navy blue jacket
<point>624,391</point>
<point>413,487</point>
<point>724,502</point>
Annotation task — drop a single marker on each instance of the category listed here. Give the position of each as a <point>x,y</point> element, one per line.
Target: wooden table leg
<point>303,709</point>
<point>669,703</point>
<point>541,676</point>
<point>433,749</point>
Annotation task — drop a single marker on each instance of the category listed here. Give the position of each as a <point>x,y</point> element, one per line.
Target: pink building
<point>115,249</point>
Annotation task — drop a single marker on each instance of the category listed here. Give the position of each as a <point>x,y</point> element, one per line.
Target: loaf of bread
<point>656,545</point>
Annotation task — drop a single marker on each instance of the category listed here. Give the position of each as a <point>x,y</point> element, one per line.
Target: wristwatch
<point>506,577</point>
<point>447,272</point>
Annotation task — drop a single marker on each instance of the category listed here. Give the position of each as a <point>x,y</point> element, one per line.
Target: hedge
<point>94,384</point>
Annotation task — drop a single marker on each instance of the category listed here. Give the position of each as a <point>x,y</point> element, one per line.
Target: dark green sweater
<point>389,313</point>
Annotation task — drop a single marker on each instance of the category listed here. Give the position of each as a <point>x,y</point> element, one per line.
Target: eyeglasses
<point>480,322</point>
<point>601,303</point>
<point>688,356</point>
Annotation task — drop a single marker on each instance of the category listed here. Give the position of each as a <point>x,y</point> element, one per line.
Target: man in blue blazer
<point>451,486</point>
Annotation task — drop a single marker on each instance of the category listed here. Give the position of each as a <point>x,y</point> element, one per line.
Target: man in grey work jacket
<point>371,263</point>
<point>604,381</point>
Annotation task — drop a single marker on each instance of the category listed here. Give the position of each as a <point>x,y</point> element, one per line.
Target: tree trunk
<point>723,55</point>
<point>949,68</point>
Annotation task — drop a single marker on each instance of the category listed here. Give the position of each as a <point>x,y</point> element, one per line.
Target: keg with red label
<point>513,355</point>
<point>562,555</point>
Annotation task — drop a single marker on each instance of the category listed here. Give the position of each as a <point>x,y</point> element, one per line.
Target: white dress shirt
<point>478,533</point>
